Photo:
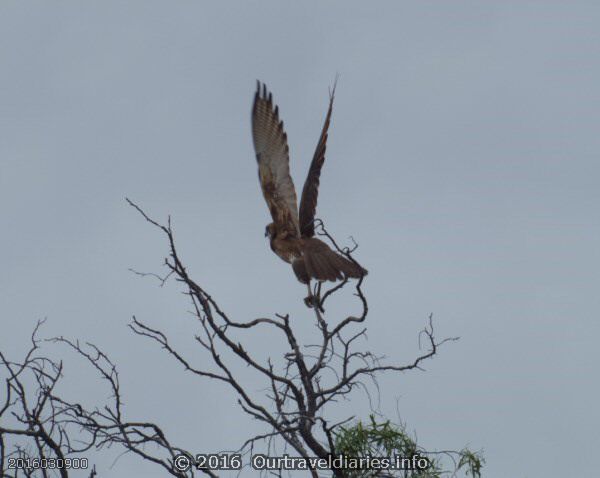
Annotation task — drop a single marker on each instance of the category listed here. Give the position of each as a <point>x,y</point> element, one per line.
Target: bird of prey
<point>292,233</point>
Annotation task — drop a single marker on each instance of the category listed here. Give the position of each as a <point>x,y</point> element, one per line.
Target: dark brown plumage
<point>292,235</point>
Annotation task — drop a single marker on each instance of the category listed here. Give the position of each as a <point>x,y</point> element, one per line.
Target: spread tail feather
<point>325,264</point>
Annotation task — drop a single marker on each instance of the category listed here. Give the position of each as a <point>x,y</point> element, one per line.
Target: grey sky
<point>463,157</point>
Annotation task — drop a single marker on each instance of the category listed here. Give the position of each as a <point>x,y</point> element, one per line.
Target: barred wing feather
<point>272,154</point>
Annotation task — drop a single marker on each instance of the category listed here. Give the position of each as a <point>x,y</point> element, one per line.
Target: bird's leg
<point>317,297</point>
<point>309,299</point>
<point>312,300</point>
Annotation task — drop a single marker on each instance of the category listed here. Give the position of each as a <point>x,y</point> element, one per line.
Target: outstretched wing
<point>272,154</point>
<point>310,192</point>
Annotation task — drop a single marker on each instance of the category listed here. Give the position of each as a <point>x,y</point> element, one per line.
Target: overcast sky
<point>463,157</point>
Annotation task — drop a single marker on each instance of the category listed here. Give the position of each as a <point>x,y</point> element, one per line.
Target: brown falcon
<point>292,233</point>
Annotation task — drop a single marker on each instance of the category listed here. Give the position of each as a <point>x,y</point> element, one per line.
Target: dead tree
<point>301,384</point>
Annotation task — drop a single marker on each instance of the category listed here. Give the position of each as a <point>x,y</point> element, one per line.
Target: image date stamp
<point>211,461</point>
<point>30,464</point>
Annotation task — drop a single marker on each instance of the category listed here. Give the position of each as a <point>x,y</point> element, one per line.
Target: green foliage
<point>385,439</point>
<point>473,461</point>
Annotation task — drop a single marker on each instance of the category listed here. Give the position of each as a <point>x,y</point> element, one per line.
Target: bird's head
<point>270,230</point>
